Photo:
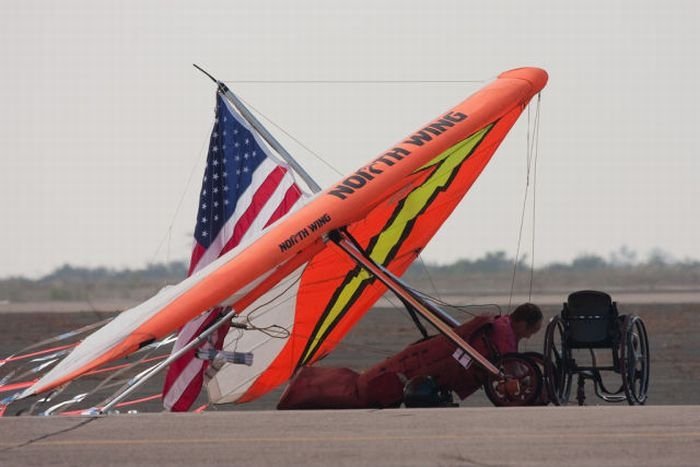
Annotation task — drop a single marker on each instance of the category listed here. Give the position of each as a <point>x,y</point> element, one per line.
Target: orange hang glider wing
<point>393,206</point>
<point>332,292</point>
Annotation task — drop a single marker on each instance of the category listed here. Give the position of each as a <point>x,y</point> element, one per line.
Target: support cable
<point>532,132</point>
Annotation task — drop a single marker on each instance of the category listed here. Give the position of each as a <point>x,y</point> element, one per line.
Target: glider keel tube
<point>341,239</point>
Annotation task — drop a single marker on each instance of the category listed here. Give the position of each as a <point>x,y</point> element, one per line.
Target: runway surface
<point>572,436</point>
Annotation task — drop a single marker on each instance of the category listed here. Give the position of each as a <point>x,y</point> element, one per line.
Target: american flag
<point>243,191</point>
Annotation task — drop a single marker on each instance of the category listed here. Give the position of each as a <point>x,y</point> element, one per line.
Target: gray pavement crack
<point>47,435</point>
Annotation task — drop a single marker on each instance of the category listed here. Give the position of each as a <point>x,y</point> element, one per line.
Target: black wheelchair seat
<point>591,320</point>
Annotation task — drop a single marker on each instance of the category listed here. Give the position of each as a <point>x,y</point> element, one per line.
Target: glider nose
<point>537,77</point>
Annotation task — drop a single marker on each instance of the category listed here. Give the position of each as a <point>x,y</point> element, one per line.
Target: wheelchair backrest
<point>590,318</point>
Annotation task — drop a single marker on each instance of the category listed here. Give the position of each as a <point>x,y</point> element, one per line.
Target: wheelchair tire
<point>522,385</point>
<point>557,358</point>
<point>634,360</point>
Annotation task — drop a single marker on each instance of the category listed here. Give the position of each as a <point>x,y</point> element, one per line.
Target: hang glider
<point>315,272</point>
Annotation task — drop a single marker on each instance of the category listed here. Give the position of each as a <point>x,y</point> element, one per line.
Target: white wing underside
<point>274,308</point>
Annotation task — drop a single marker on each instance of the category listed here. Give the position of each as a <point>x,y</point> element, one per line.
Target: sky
<point>104,122</point>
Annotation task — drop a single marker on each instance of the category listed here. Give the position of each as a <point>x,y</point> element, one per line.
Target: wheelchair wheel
<point>522,384</point>
<point>634,360</point>
<point>557,374</point>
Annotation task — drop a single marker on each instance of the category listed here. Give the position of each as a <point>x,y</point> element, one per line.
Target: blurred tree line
<point>499,261</point>
<point>68,283</point>
<point>492,272</point>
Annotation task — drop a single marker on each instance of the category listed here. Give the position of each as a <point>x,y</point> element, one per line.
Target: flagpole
<point>255,123</point>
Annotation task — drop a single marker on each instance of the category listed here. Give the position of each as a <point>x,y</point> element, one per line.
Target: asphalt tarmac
<point>541,436</point>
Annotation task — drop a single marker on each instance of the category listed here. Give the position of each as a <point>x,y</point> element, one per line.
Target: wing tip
<point>537,77</point>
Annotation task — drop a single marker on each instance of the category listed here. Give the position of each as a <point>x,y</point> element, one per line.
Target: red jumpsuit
<point>382,385</point>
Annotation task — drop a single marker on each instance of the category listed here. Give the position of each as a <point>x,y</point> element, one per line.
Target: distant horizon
<point>622,257</point>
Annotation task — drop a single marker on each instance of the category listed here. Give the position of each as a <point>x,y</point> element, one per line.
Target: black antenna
<point>233,99</point>
<point>206,73</point>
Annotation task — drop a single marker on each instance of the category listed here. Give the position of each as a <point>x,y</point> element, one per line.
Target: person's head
<point>526,320</point>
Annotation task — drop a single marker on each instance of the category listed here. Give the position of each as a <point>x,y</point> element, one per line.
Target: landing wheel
<point>556,360</point>
<point>634,360</point>
<point>522,384</point>
<point>538,358</point>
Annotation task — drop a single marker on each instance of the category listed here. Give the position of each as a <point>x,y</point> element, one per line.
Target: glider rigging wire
<point>369,81</point>
<point>531,164</point>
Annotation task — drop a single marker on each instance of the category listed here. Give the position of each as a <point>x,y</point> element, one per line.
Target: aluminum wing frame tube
<point>416,294</point>
<point>143,377</point>
<point>343,241</point>
<point>315,187</point>
<point>255,123</point>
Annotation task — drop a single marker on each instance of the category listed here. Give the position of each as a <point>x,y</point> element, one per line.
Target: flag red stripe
<point>260,198</point>
<point>194,386</point>
<point>290,197</point>
<point>197,253</point>
<point>189,395</point>
<point>181,363</point>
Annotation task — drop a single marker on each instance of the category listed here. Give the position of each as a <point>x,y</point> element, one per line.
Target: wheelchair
<point>588,322</point>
